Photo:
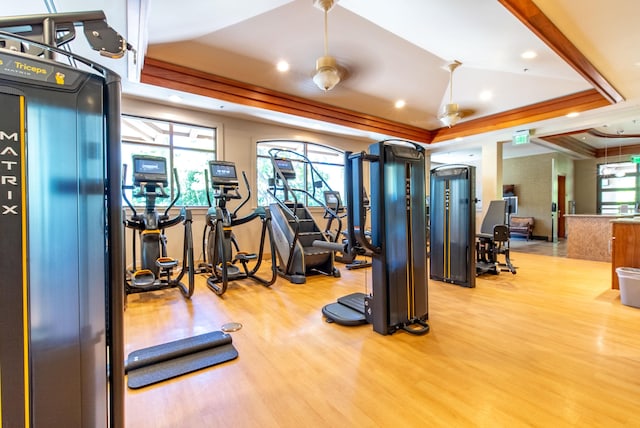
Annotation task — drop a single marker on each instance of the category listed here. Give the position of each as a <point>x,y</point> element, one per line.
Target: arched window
<point>329,162</point>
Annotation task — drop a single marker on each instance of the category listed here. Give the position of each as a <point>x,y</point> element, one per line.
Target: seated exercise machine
<point>297,237</point>
<point>493,241</point>
<point>223,257</point>
<point>399,298</point>
<point>155,273</point>
<point>349,250</point>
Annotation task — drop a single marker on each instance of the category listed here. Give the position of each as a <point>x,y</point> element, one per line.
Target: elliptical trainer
<point>222,252</point>
<point>155,273</point>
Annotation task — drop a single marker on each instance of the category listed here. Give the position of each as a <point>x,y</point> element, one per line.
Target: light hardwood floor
<point>551,346</point>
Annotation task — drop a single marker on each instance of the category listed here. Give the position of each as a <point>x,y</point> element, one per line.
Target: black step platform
<point>348,310</point>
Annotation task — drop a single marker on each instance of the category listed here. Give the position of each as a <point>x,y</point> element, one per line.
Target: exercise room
<point>319,213</point>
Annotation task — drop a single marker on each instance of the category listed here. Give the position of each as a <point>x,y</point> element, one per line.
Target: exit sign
<point>521,137</point>
<point>635,158</point>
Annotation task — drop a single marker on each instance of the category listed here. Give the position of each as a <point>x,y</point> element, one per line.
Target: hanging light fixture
<point>606,170</point>
<point>327,74</point>
<point>451,112</point>
<point>619,170</point>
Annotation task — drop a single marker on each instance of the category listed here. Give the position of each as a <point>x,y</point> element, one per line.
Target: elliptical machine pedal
<point>143,278</point>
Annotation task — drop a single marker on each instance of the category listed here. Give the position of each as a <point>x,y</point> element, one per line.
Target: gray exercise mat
<point>161,362</point>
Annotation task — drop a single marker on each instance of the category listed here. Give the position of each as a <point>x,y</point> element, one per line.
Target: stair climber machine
<point>156,269</point>
<point>399,298</point>
<point>296,235</point>
<point>223,258</point>
<point>61,254</point>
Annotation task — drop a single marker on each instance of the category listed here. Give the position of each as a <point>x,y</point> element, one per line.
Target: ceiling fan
<point>451,112</point>
<point>327,73</point>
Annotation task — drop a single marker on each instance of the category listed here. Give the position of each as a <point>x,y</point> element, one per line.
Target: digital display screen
<point>285,165</point>
<point>223,171</point>
<point>331,198</point>
<point>149,166</point>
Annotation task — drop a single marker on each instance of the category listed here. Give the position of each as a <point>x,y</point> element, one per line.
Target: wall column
<point>491,174</point>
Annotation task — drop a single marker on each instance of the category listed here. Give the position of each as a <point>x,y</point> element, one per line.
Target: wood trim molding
<point>172,76</point>
<point>613,152</point>
<point>531,16</point>
<point>180,78</point>
<point>580,101</point>
<point>570,144</point>
<point>600,134</point>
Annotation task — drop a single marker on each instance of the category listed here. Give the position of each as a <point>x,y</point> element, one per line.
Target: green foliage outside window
<point>187,148</point>
<point>329,163</point>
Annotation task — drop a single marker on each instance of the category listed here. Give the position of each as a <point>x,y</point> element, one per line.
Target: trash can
<point>629,281</point>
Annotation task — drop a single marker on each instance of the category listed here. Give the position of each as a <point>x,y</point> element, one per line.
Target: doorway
<point>561,197</point>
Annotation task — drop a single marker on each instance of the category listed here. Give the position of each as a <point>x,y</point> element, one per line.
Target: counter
<point>589,235</point>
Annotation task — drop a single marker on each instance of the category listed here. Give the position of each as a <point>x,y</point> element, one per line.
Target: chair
<point>493,240</point>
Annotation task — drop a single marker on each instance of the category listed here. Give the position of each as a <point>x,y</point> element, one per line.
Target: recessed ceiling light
<point>175,98</point>
<point>282,66</point>
<point>573,114</point>
<point>459,139</point>
<point>528,55</point>
<point>400,103</point>
<point>486,95</point>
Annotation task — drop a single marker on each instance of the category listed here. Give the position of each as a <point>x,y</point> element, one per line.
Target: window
<point>187,148</point>
<point>618,187</point>
<point>329,162</point>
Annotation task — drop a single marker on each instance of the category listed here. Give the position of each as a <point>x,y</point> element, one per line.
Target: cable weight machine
<point>399,298</point>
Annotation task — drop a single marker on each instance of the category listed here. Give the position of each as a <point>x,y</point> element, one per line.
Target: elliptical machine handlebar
<point>177,181</point>
<point>243,203</point>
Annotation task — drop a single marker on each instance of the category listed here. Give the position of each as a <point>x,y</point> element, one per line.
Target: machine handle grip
<point>177,181</point>
<point>356,163</point>
<point>243,203</point>
<point>124,187</point>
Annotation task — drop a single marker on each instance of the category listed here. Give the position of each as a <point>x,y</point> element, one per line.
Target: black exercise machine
<point>493,241</point>
<point>452,225</point>
<point>297,237</point>
<point>223,257</point>
<point>399,298</point>
<point>156,269</point>
<point>348,249</point>
<point>62,293</point>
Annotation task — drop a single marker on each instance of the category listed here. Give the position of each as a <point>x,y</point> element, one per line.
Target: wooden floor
<point>549,347</point>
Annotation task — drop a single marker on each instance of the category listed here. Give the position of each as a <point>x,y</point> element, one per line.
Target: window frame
<point>307,151</point>
<point>605,171</point>
<point>171,157</point>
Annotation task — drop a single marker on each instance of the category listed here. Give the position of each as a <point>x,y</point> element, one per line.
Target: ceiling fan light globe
<point>327,75</point>
<point>450,115</point>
